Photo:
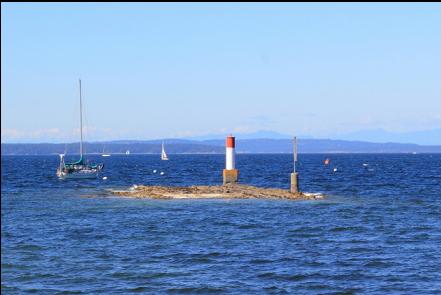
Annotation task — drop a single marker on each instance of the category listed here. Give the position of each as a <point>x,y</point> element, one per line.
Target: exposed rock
<point>230,191</point>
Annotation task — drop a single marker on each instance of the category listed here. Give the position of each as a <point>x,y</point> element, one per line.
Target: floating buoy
<point>326,162</point>
<point>162,173</point>
<point>154,171</point>
<point>105,177</point>
<point>335,169</point>
<point>365,165</point>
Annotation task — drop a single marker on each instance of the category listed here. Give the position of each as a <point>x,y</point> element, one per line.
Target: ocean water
<point>378,231</point>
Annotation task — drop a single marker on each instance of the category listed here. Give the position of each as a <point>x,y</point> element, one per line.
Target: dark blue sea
<point>377,232</point>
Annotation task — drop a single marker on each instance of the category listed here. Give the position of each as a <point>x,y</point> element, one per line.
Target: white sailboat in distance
<point>105,154</point>
<point>163,154</point>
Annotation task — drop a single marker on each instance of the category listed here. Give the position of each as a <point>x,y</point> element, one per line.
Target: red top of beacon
<point>230,141</point>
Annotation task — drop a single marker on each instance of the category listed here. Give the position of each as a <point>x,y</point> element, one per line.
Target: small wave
<point>192,290</point>
<point>260,261</point>
<point>247,226</point>
<point>316,196</point>
<point>284,277</point>
<point>141,289</point>
<point>30,247</point>
<point>377,263</point>
<point>346,228</point>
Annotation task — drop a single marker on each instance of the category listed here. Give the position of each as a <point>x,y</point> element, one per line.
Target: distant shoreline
<point>263,153</point>
<point>243,146</point>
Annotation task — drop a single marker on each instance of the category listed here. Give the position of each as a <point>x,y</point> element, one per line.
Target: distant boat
<point>80,168</point>
<point>163,154</point>
<point>326,162</point>
<point>105,155</point>
<point>127,152</point>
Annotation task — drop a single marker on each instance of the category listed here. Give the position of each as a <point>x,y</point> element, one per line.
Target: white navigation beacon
<point>230,173</point>
<point>230,153</point>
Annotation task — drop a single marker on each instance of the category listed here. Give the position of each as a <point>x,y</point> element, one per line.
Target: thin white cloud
<point>11,133</point>
<point>43,133</point>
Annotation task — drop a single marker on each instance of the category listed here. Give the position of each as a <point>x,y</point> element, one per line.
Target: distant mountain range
<point>426,137</point>
<point>216,146</point>
<point>267,134</point>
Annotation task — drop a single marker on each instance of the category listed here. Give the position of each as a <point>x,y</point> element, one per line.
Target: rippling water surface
<point>378,232</point>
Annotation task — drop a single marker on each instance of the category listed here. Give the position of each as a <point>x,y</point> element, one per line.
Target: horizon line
<point>115,141</point>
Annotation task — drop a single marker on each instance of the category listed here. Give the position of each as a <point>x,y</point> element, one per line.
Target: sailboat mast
<point>81,124</point>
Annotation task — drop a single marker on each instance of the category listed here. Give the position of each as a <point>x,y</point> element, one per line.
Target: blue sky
<point>172,70</point>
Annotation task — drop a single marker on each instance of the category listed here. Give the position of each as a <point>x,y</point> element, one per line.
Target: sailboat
<point>80,168</point>
<point>163,154</point>
<point>105,155</point>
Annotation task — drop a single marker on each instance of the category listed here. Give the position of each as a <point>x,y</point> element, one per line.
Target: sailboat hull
<point>79,174</point>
